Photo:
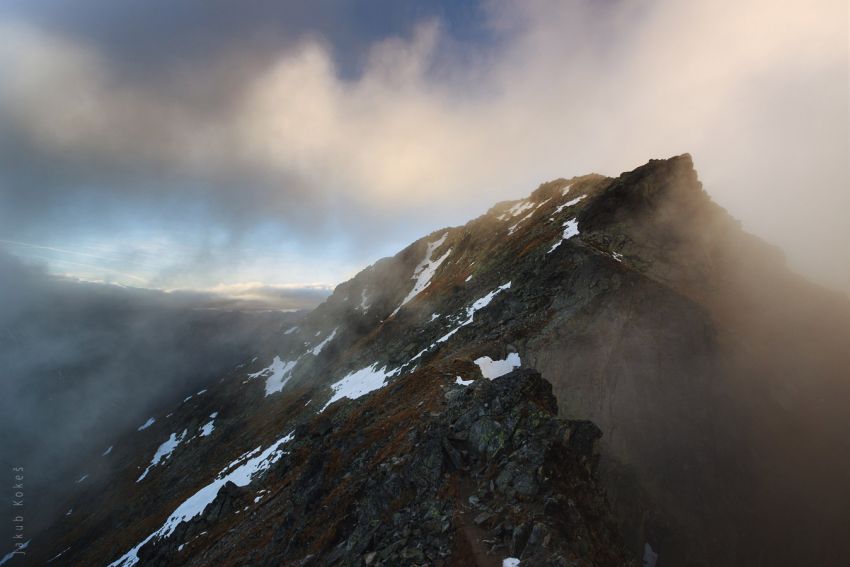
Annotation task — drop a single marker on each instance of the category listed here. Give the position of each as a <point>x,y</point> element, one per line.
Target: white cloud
<point>757,91</point>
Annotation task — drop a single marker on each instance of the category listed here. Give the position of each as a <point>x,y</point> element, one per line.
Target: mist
<point>82,362</point>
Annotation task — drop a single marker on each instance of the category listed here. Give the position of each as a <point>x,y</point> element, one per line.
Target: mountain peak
<point>444,406</point>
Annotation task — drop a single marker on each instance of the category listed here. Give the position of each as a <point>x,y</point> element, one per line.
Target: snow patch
<point>240,475</point>
<point>364,301</point>
<point>511,561</point>
<point>316,350</point>
<point>425,270</point>
<point>190,396</point>
<point>519,222</point>
<point>109,450</point>
<point>650,558</point>
<point>61,553</point>
<point>570,203</point>
<point>146,424</point>
<point>82,478</point>
<point>570,230</point>
<point>277,374</point>
<point>359,383</point>
<point>477,305</point>
<point>492,369</point>
<point>164,452</point>
<point>11,554</point>
<point>517,209</point>
<point>290,330</point>
<point>462,382</point>
<point>207,428</point>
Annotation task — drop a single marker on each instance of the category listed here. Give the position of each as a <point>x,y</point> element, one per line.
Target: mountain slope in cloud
<point>81,361</point>
<point>716,376</point>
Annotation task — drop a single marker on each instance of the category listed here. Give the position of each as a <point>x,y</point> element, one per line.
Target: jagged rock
<point>394,509</point>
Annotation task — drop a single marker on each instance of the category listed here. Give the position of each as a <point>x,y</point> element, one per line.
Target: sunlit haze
<point>294,145</point>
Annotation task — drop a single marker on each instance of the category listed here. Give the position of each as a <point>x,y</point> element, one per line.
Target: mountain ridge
<point>625,293</point>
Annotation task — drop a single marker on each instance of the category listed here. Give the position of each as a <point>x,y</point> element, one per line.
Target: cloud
<point>262,296</point>
<point>438,130</point>
<point>81,361</point>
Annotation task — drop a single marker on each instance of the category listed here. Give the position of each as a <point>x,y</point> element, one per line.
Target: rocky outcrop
<point>432,473</point>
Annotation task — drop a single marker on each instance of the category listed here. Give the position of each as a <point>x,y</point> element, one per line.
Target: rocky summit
<point>607,372</point>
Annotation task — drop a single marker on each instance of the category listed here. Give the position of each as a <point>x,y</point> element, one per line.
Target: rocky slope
<point>467,475</point>
<point>375,433</point>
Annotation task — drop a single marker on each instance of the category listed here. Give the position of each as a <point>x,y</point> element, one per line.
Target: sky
<point>254,145</point>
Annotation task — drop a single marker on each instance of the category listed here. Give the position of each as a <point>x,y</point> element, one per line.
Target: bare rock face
<point>404,422</point>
